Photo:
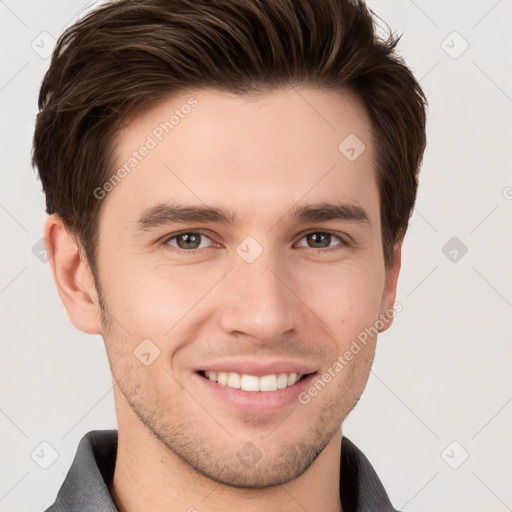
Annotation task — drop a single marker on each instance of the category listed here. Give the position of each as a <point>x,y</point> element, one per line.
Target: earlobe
<point>73,277</point>
<point>389,295</point>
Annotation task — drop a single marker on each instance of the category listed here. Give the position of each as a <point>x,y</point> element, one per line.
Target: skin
<point>178,444</point>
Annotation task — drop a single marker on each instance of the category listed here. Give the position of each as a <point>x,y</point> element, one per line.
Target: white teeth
<point>222,378</point>
<point>252,382</point>
<point>292,379</point>
<point>282,380</point>
<point>233,380</point>
<point>268,383</point>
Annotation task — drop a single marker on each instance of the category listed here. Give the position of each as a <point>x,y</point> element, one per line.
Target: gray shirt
<point>85,488</point>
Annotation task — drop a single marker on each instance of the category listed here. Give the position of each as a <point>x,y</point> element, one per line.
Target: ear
<point>73,277</point>
<point>389,294</point>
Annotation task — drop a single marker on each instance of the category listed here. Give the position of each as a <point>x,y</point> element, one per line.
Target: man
<point>229,184</point>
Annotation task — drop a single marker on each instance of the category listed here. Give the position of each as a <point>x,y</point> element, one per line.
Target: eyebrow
<point>168,213</point>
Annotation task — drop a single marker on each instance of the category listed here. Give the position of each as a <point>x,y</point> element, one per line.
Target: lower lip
<point>257,402</point>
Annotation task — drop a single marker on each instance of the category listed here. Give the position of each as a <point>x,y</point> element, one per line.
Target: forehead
<point>251,154</point>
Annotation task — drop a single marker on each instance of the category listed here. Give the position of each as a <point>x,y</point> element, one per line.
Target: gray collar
<point>85,488</point>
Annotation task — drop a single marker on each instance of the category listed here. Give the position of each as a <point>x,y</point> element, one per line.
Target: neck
<point>150,477</point>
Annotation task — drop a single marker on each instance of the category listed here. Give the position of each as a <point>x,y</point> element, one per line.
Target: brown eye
<point>321,240</point>
<point>188,241</point>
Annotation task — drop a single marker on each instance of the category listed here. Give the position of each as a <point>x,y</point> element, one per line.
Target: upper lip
<point>258,367</point>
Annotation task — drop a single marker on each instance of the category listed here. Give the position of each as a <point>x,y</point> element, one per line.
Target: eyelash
<point>343,242</point>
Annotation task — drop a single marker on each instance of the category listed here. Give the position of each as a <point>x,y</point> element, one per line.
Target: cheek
<point>151,298</point>
<point>346,298</point>
<point>160,300</point>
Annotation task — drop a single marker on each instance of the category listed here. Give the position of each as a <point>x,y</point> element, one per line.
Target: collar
<point>85,488</point>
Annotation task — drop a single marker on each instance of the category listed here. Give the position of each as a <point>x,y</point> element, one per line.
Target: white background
<point>442,374</point>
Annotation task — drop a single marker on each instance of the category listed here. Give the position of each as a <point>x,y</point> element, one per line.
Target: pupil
<point>316,237</point>
<point>186,238</point>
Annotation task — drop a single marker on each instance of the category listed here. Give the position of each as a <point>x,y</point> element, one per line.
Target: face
<point>277,274</point>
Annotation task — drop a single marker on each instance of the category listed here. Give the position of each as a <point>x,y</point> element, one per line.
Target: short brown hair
<point>127,54</point>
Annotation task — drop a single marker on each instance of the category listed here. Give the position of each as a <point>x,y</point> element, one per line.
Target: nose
<point>259,301</point>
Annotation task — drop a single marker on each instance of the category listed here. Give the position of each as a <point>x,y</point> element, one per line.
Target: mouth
<point>253,394</point>
<point>254,386</point>
<point>254,383</point>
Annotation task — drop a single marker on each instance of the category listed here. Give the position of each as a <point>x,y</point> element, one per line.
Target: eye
<point>188,241</point>
<point>194,241</point>
<point>323,239</point>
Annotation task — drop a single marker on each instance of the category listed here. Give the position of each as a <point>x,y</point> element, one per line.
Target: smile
<point>246,382</point>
